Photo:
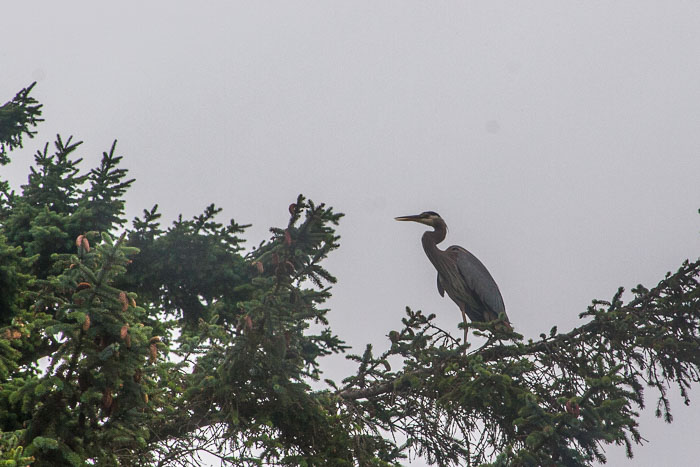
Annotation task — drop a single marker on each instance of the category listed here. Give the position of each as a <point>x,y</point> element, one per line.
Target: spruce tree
<point>141,344</point>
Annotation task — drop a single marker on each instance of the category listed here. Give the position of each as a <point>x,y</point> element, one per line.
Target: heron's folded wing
<point>478,279</point>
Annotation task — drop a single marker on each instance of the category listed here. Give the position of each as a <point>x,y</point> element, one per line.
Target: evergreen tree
<point>147,345</point>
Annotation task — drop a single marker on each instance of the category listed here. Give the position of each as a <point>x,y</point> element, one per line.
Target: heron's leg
<point>464,318</point>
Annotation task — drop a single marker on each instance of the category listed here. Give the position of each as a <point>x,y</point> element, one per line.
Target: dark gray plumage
<point>465,279</point>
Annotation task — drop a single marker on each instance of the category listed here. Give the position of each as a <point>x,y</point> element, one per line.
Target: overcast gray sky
<point>559,140</point>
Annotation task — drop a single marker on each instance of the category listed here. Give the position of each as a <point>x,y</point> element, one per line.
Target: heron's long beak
<point>416,218</point>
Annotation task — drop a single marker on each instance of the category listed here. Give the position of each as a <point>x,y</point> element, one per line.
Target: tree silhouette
<point>137,344</point>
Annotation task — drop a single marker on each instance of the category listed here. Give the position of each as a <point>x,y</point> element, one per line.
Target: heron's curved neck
<point>430,240</point>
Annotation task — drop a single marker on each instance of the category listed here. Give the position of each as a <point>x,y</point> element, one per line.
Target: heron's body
<point>465,279</point>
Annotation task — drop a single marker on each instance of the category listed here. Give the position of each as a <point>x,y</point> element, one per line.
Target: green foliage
<point>13,280</point>
<point>554,401</point>
<point>58,204</point>
<point>150,345</point>
<point>182,270</point>
<point>12,453</point>
<point>17,118</point>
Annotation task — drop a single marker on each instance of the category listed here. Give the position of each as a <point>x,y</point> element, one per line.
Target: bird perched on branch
<point>465,279</point>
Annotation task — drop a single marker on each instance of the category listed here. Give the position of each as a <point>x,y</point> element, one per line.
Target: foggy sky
<point>559,140</point>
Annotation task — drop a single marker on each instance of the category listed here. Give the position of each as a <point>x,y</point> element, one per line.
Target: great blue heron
<point>465,279</point>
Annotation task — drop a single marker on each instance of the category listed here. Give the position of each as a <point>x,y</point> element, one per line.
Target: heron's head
<point>430,218</point>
